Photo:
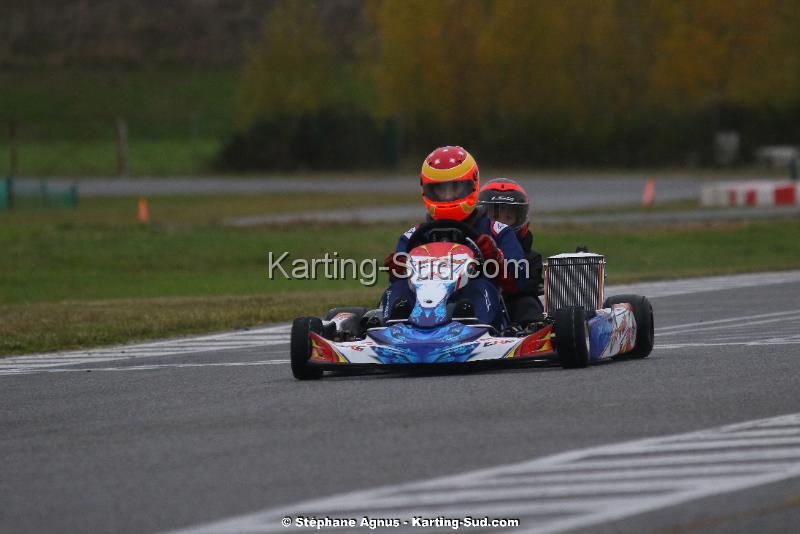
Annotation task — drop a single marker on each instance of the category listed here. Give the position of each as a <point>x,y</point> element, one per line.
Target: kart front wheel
<point>300,347</point>
<point>643,314</point>
<point>572,337</point>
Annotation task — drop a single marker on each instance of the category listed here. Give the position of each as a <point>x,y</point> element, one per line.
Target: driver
<point>506,201</point>
<point>450,182</point>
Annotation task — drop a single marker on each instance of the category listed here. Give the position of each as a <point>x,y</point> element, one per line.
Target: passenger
<point>506,201</point>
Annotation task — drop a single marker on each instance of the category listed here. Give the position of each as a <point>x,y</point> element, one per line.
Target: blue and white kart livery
<point>578,327</point>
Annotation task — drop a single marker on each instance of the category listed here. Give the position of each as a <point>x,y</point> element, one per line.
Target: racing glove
<point>489,248</point>
<point>396,263</point>
<point>490,251</point>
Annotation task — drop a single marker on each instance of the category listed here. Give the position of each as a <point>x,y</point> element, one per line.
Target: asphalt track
<point>193,438</point>
<point>548,192</point>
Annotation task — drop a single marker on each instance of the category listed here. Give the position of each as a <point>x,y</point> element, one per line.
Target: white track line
<point>574,489</point>
<point>699,285</point>
<point>255,338</point>
<point>755,342</point>
<point>279,334</point>
<point>744,322</point>
<point>723,321</point>
<point>146,367</point>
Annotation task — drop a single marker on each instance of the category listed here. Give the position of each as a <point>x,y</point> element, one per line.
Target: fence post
<point>194,127</point>
<point>13,156</point>
<point>122,147</point>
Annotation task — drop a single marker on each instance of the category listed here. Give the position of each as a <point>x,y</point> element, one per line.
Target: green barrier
<point>41,195</point>
<point>7,194</point>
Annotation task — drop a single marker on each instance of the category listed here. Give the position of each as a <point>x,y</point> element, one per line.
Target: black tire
<point>300,347</point>
<point>572,337</point>
<point>645,325</point>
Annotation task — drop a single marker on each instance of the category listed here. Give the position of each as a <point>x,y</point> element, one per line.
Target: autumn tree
<point>717,51</point>
<point>423,68</point>
<point>293,68</point>
<point>548,82</point>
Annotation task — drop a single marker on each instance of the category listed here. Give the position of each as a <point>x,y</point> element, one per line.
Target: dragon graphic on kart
<point>579,326</point>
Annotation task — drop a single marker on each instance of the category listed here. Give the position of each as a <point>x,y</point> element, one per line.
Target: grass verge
<point>159,156</point>
<point>65,118</point>
<point>47,326</point>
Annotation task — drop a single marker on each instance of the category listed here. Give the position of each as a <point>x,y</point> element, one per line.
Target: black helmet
<point>506,201</point>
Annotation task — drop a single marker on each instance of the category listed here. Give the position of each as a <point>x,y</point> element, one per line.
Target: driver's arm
<point>402,243</point>
<point>396,264</point>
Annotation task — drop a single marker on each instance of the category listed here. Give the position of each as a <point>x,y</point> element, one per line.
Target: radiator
<point>574,280</point>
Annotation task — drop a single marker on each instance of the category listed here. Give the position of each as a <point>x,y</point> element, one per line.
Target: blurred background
<point>152,153</point>
<point>227,86</point>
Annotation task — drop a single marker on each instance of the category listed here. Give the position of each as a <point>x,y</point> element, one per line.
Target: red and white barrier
<point>755,193</point>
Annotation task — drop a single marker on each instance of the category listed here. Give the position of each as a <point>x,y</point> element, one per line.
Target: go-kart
<point>578,327</point>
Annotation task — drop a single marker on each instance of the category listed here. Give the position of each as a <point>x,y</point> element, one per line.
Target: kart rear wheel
<point>572,337</point>
<point>645,325</point>
<point>300,347</point>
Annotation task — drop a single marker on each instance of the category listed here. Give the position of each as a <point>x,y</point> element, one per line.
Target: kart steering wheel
<point>458,231</point>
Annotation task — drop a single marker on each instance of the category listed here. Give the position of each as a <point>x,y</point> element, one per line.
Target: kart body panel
<point>450,343</point>
<point>612,331</point>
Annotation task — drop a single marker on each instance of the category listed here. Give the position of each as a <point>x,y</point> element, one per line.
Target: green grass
<point>64,325</point>
<point>684,251</point>
<point>147,157</point>
<point>93,275</point>
<point>99,251</point>
<point>68,102</point>
<point>66,118</point>
<point>197,211</point>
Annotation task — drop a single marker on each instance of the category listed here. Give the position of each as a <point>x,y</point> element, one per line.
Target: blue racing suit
<point>482,292</point>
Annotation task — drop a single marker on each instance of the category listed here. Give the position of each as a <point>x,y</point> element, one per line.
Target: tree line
<point>128,33</point>
<point>346,83</point>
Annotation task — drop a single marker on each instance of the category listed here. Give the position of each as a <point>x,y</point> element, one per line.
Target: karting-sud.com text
<point>333,267</point>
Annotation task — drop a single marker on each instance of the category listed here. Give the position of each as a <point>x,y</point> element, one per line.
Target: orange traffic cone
<point>649,194</point>
<point>144,212</point>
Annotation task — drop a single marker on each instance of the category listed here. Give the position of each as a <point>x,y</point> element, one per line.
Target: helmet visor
<point>449,191</point>
<point>514,215</point>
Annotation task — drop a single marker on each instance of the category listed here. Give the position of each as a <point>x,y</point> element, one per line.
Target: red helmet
<point>506,201</point>
<point>450,182</point>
